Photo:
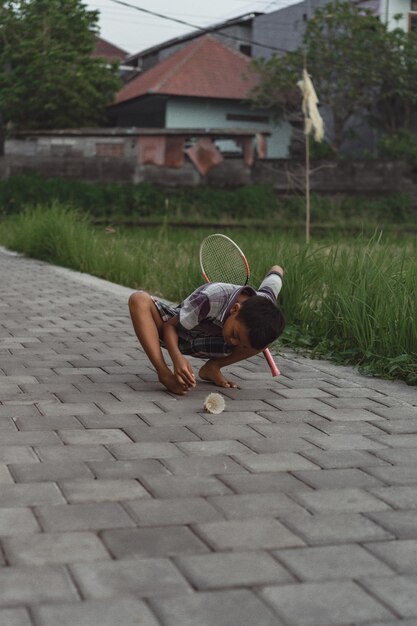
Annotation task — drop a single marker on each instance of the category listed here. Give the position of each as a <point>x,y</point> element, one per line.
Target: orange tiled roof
<point>106,50</point>
<point>206,68</point>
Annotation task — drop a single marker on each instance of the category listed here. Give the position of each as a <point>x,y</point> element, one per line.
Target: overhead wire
<point>199,28</point>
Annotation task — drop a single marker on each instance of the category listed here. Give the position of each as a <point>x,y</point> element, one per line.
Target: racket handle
<point>272,365</point>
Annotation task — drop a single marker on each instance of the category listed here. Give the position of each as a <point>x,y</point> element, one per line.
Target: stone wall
<point>285,176</point>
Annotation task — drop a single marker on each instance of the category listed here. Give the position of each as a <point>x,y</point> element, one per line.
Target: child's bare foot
<point>213,374</point>
<point>171,383</point>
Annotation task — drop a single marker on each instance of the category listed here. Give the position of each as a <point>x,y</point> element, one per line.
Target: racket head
<point>222,261</point>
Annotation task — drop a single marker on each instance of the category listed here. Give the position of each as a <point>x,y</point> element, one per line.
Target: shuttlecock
<point>214,403</point>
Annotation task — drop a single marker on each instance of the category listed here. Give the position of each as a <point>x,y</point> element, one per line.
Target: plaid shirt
<point>201,316</point>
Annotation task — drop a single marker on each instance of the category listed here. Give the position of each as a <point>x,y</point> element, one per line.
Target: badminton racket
<point>223,261</point>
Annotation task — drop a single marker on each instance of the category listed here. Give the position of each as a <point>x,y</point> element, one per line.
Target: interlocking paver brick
<point>94,436</point>
<point>43,423</point>
<point>274,462</point>
<point>110,421</point>
<point>328,528</point>
<point>161,433</point>
<point>220,608</point>
<point>49,471</point>
<point>324,604</point>
<point>337,478</point>
<point>73,453</point>
<point>29,494</point>
<point>267,482</point>
<point>30,438</point>
<point>209,448</point>
<point>202,465</point>
<point>146,450</point>
<point>344,458</point>
<point>17,521</point>
<point>15,617</point>
<point>402,524</point>
<point>304,486</point>
<point>256,505</point>
<point>183,486</point>
<point>391,475</point>
<point>100,490</point>
<point>276,444</point>
<point>5,475</point>
<point>17,454</point>
<point>22,585</point>
<point>232,569</point>
<point>137,577</point>
<point>344,442</point>
<point>398,456</point>
<point>123,611</point>
<point>254,533</point>
<point>126,469</point>
<point>397,592</point>
<point>399,497</point>
<point>89,516</point>
<point>152,542</point>
<point>332,562</point>
<point>345,428</point>
<point>401,555</point>
<point>399,426</point>
<point>44,548</point>
<point>340,500</point>
<point>173,511</point>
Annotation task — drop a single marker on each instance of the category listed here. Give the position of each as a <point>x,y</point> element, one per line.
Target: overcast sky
<point>133,30</point>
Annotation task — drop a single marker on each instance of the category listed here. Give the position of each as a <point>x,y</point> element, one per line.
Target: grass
<point>353,301</point>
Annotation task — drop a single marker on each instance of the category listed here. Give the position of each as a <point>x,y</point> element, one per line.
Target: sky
<point>133,30</point>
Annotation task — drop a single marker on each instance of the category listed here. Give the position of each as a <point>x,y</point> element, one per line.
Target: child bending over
<point>219,322</point>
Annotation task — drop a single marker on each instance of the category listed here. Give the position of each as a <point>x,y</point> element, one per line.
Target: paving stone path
<point>121,504</point>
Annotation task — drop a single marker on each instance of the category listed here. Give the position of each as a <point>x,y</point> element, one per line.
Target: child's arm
<point>182,368</point>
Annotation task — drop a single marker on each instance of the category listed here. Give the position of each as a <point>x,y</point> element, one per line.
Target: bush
<point>113,202</point>
<point>402,145</point>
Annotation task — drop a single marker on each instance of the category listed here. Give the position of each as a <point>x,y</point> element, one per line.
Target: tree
<point>48,78</point>
<point>396,104</point>
<point>343,48</point>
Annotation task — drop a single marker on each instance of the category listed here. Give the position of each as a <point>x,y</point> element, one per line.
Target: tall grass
<point>354,301</point>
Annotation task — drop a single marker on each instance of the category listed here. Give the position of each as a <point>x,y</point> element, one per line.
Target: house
<point>236,33</point>
<point>204,84</point>
<point>108,51</point>
<point>388,10</point>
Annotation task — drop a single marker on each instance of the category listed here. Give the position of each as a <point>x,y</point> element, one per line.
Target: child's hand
<point>184,372</point>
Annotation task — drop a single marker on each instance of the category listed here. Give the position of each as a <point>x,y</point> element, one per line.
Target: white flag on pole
<point>312,117</point>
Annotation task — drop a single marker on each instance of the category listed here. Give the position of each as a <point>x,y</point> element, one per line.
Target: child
<point>220,322</point>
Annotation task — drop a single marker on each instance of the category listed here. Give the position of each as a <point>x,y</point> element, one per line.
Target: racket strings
<point>223,261</point>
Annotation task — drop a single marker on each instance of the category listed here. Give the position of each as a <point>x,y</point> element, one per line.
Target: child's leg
<point>211,370</point>
<point>148,324</point>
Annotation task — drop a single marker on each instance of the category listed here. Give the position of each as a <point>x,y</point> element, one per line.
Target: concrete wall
<point>285,176</point>
<point>196,113</point>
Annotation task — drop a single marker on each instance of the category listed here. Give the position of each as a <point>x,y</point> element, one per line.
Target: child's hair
<point>263,319</point>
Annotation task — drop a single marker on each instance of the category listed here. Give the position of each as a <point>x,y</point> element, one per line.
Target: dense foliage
<point>361,70</point>
<point>116,203</point>
<point>48,78</point>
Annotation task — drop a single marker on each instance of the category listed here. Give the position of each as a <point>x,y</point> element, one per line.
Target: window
<point>413,6</point>
<point>412,22</point>
<point>246,49</point>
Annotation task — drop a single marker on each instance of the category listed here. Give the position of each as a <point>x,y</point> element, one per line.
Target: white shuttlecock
<point>214,403</point>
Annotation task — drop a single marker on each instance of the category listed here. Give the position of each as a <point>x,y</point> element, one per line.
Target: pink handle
<point>272,366</point>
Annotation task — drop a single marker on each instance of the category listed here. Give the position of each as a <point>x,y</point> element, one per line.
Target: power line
<point>200,28</point>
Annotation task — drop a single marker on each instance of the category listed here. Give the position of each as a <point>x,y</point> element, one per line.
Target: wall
<point>285,176</point>
<point>184,113</point>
